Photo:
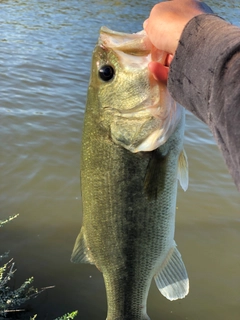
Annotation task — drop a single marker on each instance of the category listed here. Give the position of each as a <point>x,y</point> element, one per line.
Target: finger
<point>169,59</point>
<point>159,72</point>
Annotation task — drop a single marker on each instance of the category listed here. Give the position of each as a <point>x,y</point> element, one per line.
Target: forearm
<point>205,78</point>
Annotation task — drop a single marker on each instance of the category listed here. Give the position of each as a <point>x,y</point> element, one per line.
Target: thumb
<point>159,71</point>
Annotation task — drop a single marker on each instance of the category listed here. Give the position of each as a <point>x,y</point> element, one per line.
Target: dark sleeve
<point>204,77</point>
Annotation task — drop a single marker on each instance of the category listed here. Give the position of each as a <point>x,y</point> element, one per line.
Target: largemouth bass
<point>131,158</point>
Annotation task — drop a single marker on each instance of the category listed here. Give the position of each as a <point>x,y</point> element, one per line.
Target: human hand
<point>165,26</point>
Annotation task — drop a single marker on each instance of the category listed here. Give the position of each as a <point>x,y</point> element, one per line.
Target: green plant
<point>11,299</point>
<point>68,316</point>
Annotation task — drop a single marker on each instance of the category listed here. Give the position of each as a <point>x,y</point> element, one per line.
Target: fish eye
<point>106,73</point>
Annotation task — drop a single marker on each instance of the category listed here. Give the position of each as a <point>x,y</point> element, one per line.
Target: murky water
<point>45,53</point>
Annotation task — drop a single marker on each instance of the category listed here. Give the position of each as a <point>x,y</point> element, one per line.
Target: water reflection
<point>229,10</point>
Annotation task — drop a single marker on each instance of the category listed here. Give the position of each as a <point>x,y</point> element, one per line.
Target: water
<point>45,53</point>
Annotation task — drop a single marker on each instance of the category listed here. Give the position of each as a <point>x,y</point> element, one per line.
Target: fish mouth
<point>147,125</point>
<point>134,44</point>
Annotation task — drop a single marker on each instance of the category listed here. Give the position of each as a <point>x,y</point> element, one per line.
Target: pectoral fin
<point>155,177</point>
<point>183,170</point>
<point>172,279</point>
<point>81,253</point>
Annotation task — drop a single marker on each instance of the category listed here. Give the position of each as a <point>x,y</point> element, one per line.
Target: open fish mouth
<point>135,44</point>
<point>143,116</point>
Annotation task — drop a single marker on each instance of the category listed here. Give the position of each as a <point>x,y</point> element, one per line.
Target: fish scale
<point>129,199</point>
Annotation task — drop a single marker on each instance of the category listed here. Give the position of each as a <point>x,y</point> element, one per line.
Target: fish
<point>132,158</point>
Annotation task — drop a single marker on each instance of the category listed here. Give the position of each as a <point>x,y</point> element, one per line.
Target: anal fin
<point>172,279</point>
<point>81,253</point>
